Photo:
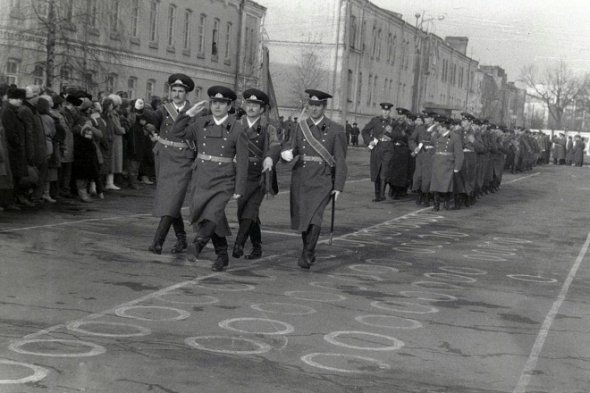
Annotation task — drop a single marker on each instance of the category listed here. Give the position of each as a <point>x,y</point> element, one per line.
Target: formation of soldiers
<point>443,160</point>
<point>220,156</point>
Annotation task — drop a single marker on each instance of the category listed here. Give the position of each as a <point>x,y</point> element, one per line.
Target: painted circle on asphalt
<point>469,271</point>
<point>355,364</point>
<point>485,257</point>
<point>197,300</point>
<point>38,373</point>
<point>335,337</point>
<point>450,233</point>
<point>404,307</point>
<point>429,296</point>
<point>450,277</point>
<point>325,257</point>
<point>139,331</point>
<point>435,285</point>
<point>227,345</point>
<point>415,250</point>
<point>150,313</point>
<point>355,277</point>
<point>491,251</point>
<point>286,328</point>
<point>388,321</point>
<point>334,286</point>
<point>388,261</point>
<point>373,269</point>
<point>316,296</point>
<point>531,278</point>
<point>94,349</point>
<point>511,240</point>
<point>228,287</point>
<point>284,308</point>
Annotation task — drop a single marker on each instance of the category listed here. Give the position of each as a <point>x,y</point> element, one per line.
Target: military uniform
<point>314,178</point>
<point>447,160</point>
<point>215,174</point>
<point>420,143</point>
<point>377,135</point>
<point>263,142</point>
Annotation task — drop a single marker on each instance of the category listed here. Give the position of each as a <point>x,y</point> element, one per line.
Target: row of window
<point>454,75</point>
<point>376,93</point>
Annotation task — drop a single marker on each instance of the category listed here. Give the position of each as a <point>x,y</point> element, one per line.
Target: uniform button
<point>219,163</point>
<point>225,139</point>
<point>222,147</point>
<point>323,140</point>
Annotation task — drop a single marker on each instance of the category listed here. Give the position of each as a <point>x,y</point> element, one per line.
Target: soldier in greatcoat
<point>174,157</point>
<point>219,171</point>
<point>420,143</point>
<point>319,173</point>
<point>447,160</point>
<point>400,160</point>
<point>15,131</point>
<point>377,136</point>
<point>264,151</point>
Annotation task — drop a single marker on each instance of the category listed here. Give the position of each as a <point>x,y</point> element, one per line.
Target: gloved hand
<point>198,107</point>
<point>335,193</point>
<point>287,155</point>
<point>267,164</point>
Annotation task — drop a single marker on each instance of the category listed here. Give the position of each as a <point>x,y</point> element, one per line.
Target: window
<point>153,30</point>
<point>165,89</point>
<point>350,87</point>
<point>115,15</point>
<point>374,90</point>
<point>379,44</point>
<point>171,22</point>
<point>135,18</point>
<point>228,31</point>
<point>38,75</point>
<point>131,87</point>
<point>111,82</point>
<point>389,48</point>
<point>384,94</point>
<point>352,31</point>
<point>252,51</point>
<point>65,73</point>
<point>363,37</point>
<point>360,88</point>
<point>69,10</point>
<point>198,92</point>
<point>370,87</point>
<point>186,39</point>
<point>12,67</point>
<point>374,45</point>
<point>202,21</point>
<point>149,89</point>
<point>215,37</point>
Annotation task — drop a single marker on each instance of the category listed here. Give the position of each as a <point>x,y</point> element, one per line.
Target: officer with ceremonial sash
<point>173,160</point>
<point>264,150</point>
<point>219,171</point>
<point>318,174</point>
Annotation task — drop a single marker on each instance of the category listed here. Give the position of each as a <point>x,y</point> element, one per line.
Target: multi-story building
<point>131,45</point>
<point>502,101</point>
<point>363,55</point>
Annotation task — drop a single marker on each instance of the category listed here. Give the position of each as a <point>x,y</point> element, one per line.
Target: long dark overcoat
<point>15,132</point>
<point>448,157</point>
<point>400,159</point>
<point>214,183</point>
<point>313,181</point>
<point>173,168</point>
<point>382,153</point>
<point>262,142</point>
<point>423,167</point>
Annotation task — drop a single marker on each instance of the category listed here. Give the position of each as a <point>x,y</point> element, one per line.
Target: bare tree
<point>307,74</point>
<point>558,87</point>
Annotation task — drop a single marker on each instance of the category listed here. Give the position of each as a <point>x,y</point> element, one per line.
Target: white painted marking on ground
<point>418,308</point>
<point>406,323</point>
<point>316,296</point>
<point>331,338</point>
<point>262,347</point>
<point>268,308</point>
<point>450,277</point>
<point>95,349</point>
<point>181,314</point>
<point>522,178</point>
<point>210,299</point>
<point>434,296</point>
<point>286,328</point>
<point>531,363</point>
<point>74,326</point>
<point>435,285</point>
<point>531,278</point>
<point>227,287</point>
<point>308,359</point>
<point>38,373</point>
<point>355,277</point>
<point>463,270</point>
<point>322,284</point>
<point>376,269</point>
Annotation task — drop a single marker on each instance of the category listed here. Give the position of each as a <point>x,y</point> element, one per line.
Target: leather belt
<point>468,151</point>
<point>207,157</point>
<point>313,158</point>
<point>428,147</point>
<point>178,145</point>
<point>444,153</point>
<point>254,159</point>
<point>384,140</point>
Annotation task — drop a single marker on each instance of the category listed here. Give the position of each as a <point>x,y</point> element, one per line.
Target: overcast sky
<point>509,33</point>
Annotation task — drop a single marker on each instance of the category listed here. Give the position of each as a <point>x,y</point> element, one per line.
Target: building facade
<point>131,45</point>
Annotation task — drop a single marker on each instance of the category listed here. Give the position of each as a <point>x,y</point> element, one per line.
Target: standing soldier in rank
<point>173,160</point>
<point>319,173</point>
<point>264,150</point>
<point>377,136</point>
<point>220,139</point>
<point>423,150</point>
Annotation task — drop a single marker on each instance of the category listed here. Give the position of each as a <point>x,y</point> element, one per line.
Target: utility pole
<point>50,44</point>
<point>415,88</point>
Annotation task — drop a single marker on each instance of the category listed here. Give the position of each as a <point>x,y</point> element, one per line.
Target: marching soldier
<point>264,150</point>
<point>447,160</point>
<point>219,138</point>
<point>400,159</point>
<point>173,160</point>
<point>377,136</point>
<point>423,150</point>
<point>468,172</point>
<point>319,173</point>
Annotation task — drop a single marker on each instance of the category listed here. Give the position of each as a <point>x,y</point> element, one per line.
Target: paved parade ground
<point>493,298</point>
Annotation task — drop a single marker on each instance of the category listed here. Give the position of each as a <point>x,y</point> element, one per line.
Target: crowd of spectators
<point>69,145</point>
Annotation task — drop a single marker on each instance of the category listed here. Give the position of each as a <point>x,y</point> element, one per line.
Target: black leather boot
<point>161,233</point>
<point>181,243</point>
<point>241,237</point>
<point>256,239</point>
<point>436,202</point>
<point>446,198</point>
<point>378,197</point>
<point>457,200</point>
<point>310,239</point>
<point>220,245</point>
<point>419,198</point>
<point>204,231</point>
